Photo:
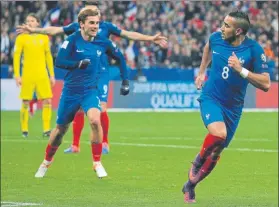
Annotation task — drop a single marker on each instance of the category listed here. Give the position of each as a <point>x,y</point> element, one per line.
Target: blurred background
<point>187,25</point>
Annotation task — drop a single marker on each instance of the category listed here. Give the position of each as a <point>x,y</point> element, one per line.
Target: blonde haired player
<point>35,77</point>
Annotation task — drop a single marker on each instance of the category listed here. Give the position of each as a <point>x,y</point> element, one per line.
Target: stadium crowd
<point>186,24</point>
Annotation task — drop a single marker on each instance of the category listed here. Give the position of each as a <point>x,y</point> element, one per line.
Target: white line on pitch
<point>145,145</point>
<point>191,138</point>
<point>10,203</point>
<point>192,147</point>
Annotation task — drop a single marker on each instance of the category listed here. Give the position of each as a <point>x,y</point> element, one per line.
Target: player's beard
<point>231,39</point>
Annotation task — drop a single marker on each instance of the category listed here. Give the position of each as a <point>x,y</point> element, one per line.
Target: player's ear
<point>238,31</point>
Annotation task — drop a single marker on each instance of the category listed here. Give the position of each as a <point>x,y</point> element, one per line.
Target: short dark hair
<point>92,3</point>
<point>242,20</point>
<point>34,16</point>
<point>84,13</point>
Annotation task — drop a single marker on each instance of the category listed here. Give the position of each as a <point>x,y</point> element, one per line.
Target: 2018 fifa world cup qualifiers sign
<point>161,95</point>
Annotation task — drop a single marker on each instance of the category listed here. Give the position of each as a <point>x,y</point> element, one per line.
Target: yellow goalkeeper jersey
<point>37,57</point>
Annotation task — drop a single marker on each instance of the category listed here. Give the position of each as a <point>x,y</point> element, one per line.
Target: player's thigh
<point>68,106</point>
<point>27,90</point>
<point>43,89</point>
<point>212,116</point>
<point>90,100</point>
<point>232,118</point>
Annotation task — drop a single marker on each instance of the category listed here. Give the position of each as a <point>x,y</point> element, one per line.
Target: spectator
<point>186,24</point>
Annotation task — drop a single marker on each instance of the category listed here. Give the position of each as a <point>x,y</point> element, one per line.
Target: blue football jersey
<point>105,30</point>
<point>224,83</point>
<point>74,49</point>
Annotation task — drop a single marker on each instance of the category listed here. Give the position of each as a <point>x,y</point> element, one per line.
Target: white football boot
<point>43,169</point>
<point>99,169</point>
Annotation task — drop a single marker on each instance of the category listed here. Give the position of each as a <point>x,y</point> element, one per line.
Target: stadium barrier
<point>149,96</point>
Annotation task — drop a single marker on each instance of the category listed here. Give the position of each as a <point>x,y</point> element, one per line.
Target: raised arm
<point>157,39</point>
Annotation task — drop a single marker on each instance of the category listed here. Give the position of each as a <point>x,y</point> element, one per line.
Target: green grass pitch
<point>147,165</point>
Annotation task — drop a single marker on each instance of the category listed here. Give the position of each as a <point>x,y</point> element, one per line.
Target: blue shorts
<point>213,111</point>
<point>71,102</point>
<point>103,87</point>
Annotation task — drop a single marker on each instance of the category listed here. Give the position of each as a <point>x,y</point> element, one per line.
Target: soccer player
<point>106,29</point>
<point>236,61</point>
<point>81,54</point>
<point>36,56</point>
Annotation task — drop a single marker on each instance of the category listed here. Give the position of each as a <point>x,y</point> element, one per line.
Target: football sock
<point>203,162</point>
<point>78,124</point>
<point>24,117</point>
<point>50,152</point>
<point>105,125</point>
<point>206,169</point>
<point>96,151</point>
<point>210,142</point>
<point>46,116</point>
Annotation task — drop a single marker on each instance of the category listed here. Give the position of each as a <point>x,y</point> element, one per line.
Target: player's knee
<point>221,133</point>
<point>25,102</point>
<point>61,130</point>
<point>218,129</point>
<point>47,101</point>
<point>94,121</point>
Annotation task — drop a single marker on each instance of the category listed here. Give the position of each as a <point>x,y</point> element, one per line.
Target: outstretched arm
<point>157,39</point>
<point>47,30</point>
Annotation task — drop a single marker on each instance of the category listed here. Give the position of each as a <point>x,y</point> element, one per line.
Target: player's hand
<point>199,80</point>
<point>160,40</point>
<point>24,29</point>
<point>125,89</point>
<point>18,81</point>
<point>234,63</point>
<point>83,63</point>
<point>52,81</point>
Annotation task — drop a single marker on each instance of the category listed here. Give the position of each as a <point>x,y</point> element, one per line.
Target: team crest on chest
<point>99,52</point>
<point>263,57</point>
<point>241,60</point>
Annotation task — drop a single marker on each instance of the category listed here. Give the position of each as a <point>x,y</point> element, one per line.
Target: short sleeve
<point>71,28</point>
<point>259,59</point>
<point>113,29</point>
<point>213,37</point>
